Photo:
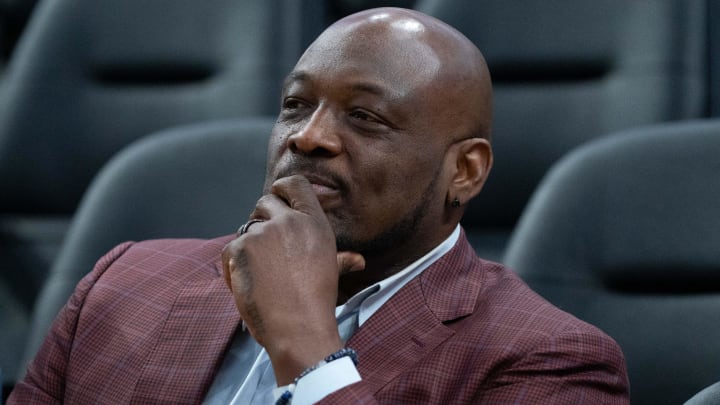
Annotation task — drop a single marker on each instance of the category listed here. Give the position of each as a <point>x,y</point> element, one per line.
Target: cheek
<point>275,149</point>
<point>276,143</point>
<point>377,169</point>
<point>386,177</point>
<point>391,184</point>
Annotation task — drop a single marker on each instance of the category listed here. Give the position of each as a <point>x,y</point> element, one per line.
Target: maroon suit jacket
<point>151,322</point>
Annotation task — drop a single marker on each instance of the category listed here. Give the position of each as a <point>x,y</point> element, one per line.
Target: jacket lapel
<point>412,323</point>
<point>192,343</point>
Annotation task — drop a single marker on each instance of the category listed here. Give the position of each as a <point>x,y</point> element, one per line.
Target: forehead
<point>376,58</point>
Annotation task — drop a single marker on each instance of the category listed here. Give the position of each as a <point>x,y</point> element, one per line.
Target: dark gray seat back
<point>625,233</point>
<point>201,180</point>
<point>88,77</point>
<point>566,72</point>
<point>708,396</point>
<point>91,76</point>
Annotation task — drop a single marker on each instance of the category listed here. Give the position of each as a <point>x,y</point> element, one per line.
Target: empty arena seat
<point>624,233</point>
<point>88,77</point>
<point>708,396</point>
<point>567,72</point>
<point>202,180</point>
<point>714,57</point>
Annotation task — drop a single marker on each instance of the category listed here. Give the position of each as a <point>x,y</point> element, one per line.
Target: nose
<point>318,136</point>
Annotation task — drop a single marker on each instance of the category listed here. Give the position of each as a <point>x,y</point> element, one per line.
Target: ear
<point>473,161</point>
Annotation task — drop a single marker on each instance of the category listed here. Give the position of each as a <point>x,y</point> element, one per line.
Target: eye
<point>361,115</point>
<point>292,103</point>
<point>368,119</point>
<point>294,108</point>
<point>369,122</point>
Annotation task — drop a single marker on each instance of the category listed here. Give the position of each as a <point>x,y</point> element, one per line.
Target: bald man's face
<point>362,118</point>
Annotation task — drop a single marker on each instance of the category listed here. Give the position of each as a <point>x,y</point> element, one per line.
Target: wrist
<point>290,362</point>
<point>344,354</point>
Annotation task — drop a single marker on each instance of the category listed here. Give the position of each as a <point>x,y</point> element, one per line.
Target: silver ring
<point>243,229</point>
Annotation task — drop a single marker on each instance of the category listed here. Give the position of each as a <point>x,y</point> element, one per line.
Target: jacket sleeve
<point>357,394</point>
<point>44,381</point>
<point>578,366</point>
<point>575,367</point>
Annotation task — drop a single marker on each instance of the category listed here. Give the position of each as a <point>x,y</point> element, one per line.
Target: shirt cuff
<point>322,381</point>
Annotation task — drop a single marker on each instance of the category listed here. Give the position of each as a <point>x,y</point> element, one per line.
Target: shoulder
<point>192,250</point>
<point>144,277</point>
<point>527,343</point>
<point>139,287</point>
<point>181,258</point>
<point>118,310</point>
<point>533,335</point>
<point>516,314</point>
<point>485,299</point>
<point>137,273</point>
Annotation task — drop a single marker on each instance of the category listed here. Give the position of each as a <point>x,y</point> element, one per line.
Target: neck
<point>380,267</point>
<point>354,282</point>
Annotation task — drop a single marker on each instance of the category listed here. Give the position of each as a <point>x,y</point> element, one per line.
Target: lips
<point>326,190</point>
<point>320,183</point>
<point>329,188</point>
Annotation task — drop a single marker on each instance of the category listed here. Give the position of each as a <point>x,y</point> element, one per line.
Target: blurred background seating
<point>708,396</point>
<point>565,72</point>
<point>13,17</point>
<point>713,48</point>
<point>181,182</point>
<point>85,78</point>
<point>624,233</point>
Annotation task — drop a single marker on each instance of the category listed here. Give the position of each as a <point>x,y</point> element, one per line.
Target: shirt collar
<point>373,297</point>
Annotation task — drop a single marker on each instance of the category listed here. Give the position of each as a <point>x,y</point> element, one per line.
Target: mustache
<point>310,168</point>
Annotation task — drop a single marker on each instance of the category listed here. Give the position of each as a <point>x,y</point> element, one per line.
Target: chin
<point>347,242</point>
<point>350,241</point>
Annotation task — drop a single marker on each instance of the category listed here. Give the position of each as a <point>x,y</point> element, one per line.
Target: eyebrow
<point>361,87</point>
<point>369,88</point>
<point>295,76</point>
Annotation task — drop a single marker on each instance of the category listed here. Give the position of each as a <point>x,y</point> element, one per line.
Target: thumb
<point>349,262</point>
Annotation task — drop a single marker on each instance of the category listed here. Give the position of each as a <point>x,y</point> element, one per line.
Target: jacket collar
<point>412,323</point>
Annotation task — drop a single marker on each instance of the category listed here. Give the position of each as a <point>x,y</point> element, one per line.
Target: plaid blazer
<point>151,322</point>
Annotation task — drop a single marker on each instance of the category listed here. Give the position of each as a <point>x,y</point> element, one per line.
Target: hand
<point>284,276</point>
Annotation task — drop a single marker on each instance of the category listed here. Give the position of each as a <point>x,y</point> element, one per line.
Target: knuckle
<point>264,199</point>
<point>234,254</point>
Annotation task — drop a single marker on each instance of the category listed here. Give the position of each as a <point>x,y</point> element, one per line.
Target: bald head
<point>420,52</point>
<point>387,114</point>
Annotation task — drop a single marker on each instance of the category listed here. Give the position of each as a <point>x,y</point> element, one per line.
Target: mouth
<point>328,187</point>
<point>327,191</point>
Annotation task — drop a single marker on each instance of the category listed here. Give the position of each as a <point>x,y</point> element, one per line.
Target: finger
<point>233,258</point>
<point>226,256</point>
<point>246,226</point>
<point>268,207</point>
<point>349,262</point>
<point>298,193</point>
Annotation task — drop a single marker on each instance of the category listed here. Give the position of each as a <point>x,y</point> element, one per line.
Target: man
<point>382,139</point>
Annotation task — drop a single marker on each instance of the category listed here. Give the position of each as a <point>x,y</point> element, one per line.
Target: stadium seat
<point>713,58</point>
<point>624,233</point>
<point>13,17</point>
<point>201,180</point>
<point>708,396</point>
<point>567,72</point>
<point>88,77</point>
